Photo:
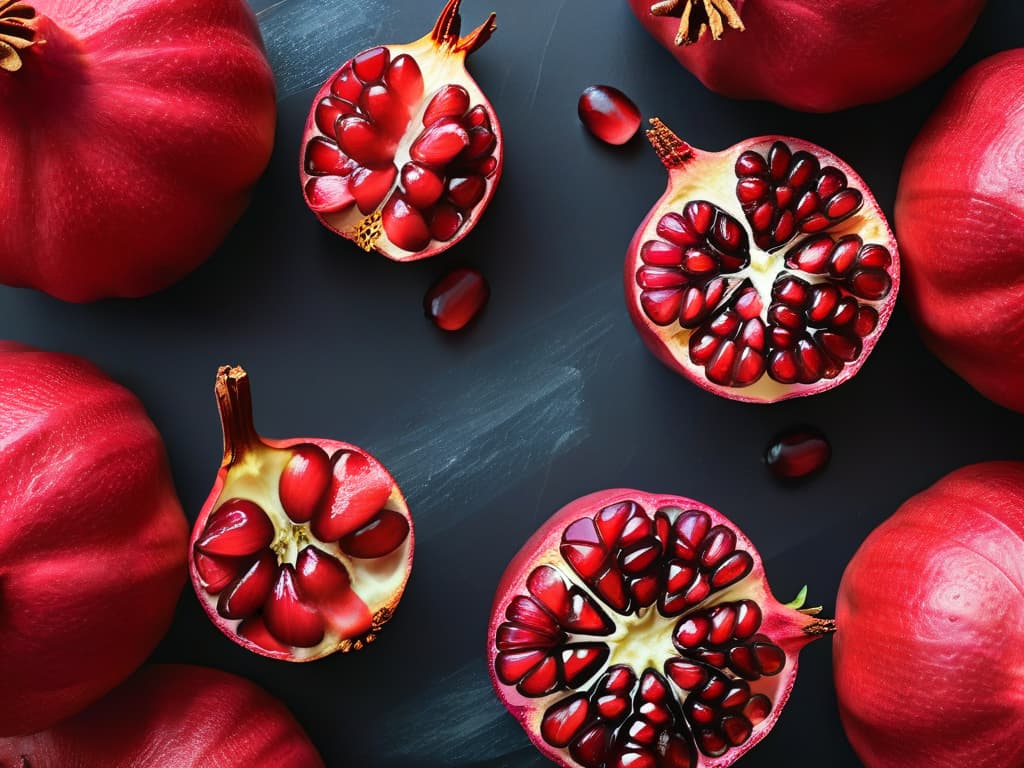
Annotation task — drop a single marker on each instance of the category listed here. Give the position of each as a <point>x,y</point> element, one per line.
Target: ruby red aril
<point>609,114</point>
<point>766,271</point>
<point>811,55</point>
<point>304,546</point>
<point>797,452</point>
<point>139,127</point>
<point>927,658</point>
<point>92,538</point>
<point>635,629</point>
<point>454,300</point>
<point>402,151</point>
<point>960,219</point>
<point>172,715</point>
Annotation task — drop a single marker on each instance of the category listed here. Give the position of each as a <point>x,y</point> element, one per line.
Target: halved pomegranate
<point>402,151</point>
<point>636,630</point>
<point>766,271</point>
<point>304,546</point>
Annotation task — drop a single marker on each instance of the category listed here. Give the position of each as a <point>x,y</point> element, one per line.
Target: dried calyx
<point>304,546</point>
<point>18,32</point>
<point>699,16</point>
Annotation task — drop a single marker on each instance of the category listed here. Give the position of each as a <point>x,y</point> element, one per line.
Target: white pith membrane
<point>698,177</point>
<point>350,617</point>
<point>644,686</point>
<point>441,60</point>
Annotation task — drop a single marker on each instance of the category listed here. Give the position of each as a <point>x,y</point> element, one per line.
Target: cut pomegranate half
<point>766,271</point>
<point>402,151</point>
<point>304,546</point>
<point>638,630</point>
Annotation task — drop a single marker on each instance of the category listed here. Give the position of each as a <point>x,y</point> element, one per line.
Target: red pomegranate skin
<point>172,716</point>
<point>960,221</point>
<point>129,142</point>
<point>821,55</point>
<point>92,537</point>
<point>929,668</point>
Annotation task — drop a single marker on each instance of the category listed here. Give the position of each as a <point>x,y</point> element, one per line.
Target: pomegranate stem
<point>18,32</point>
<point>671,150</point>
<point>698,16</point>
<point>234,401</point>
<point>446,30</point>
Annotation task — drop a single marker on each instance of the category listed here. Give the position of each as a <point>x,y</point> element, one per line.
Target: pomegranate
<point>766,271</point>
<point>609,114</point>
<point>963,175</point>
<point>176,716</point>
<point>807,54</point>
<point>92,537</point>
<point>638,630</point>
<point>130,135</point>
<point>402,151</point>
<point>304,546</point>
<point>936,594</point>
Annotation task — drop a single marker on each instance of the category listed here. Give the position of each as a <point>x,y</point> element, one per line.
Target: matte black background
<point>549,396</point>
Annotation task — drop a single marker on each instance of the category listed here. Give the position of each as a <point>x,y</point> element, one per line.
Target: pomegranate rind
<point>92,537</point>
<point>780,623</point>
<point>927,660</point>
<point>711,176</point>
<point>382,605</point>
<point>821,57</point>
<point>183,716</point>
<point>960,218</point>
<point>441,65</point>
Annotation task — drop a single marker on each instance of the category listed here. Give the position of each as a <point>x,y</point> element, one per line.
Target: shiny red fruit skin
<point>817,56</point>
<point>173,716</point>
<point>927,657</point>
<point>960,219</point>
<point>92,537</point>
<point>150,120</point>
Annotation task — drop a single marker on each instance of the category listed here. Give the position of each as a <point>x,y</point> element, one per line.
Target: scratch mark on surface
<point>544,53</point>
<point>451,453</point>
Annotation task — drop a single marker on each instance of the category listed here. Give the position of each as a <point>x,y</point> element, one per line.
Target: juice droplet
<point>797,452</point>
<point>456,298</point>
<point>609,114</point>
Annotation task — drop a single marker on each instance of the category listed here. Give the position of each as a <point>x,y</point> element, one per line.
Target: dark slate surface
<point>551,395</point>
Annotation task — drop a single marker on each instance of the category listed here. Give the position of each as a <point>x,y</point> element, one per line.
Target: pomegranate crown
<point>445,33</point>
<point>698,16</point>
<point>18,22</point>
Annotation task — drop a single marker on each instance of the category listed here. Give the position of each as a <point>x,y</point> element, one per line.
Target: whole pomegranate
<point>172,716</point>
<point>810,55</point>
<point>928,664</point>
<point>636,630</point>
<point>402,152</point>
<point>304,546</point>
<point>765,271</point>
<point>92,538</point>
<point>963,176</point>
<point>130,135</point>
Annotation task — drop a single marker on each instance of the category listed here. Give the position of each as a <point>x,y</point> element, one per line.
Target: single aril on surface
<point>811,55</point>
<point>304,546</point>
<point>454,300</point>
<point>929,670</point>
<point>960,219</point>
<point>636,629</point>
<point>172,716</point>
<point>92,537</point>
<point>764,272</point>
<point>609,114</point>
<point>131,135</point>
<point>402,152</point>
<point>797,452</point>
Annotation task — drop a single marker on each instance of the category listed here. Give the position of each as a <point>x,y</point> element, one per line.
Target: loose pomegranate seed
<point>456,298</point>
<point>797,453</point>
<point>609,114</point>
